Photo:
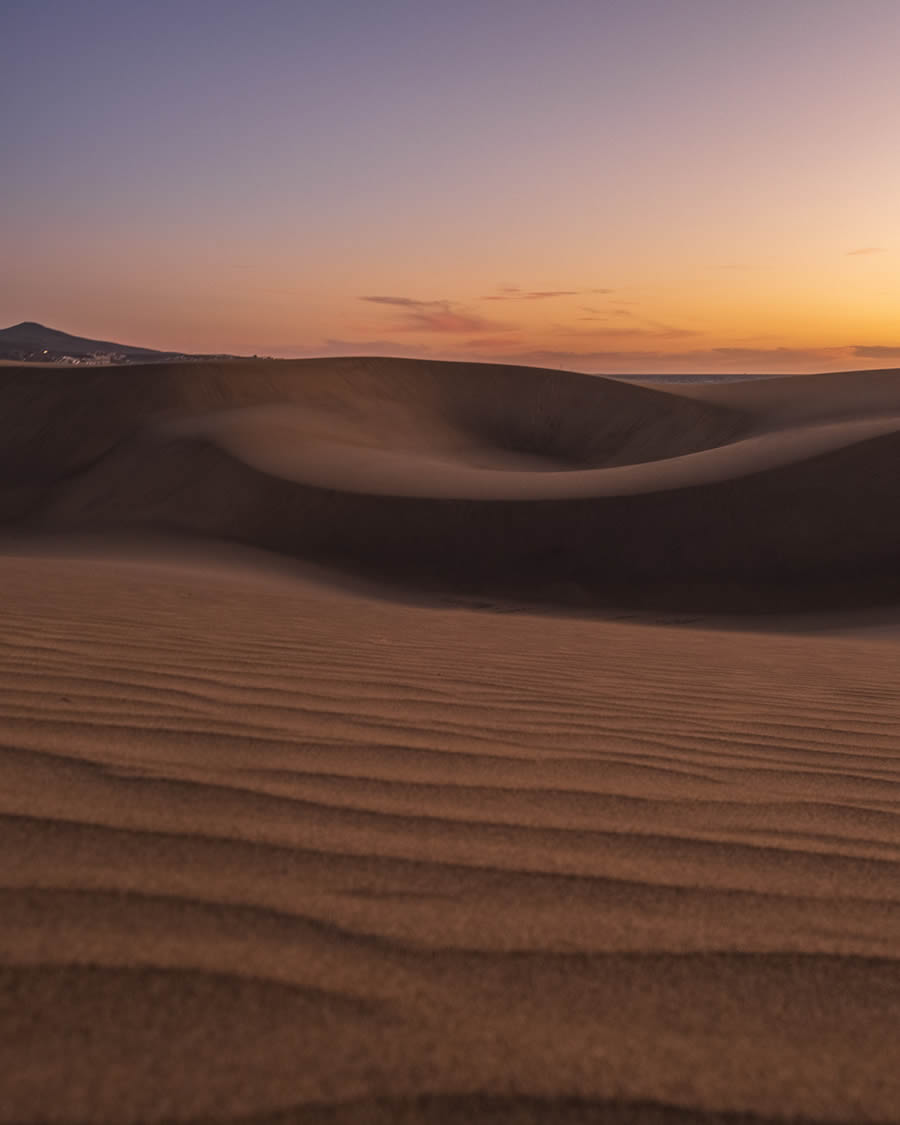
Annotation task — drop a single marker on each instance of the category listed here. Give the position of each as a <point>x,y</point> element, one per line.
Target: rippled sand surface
<point>277,851</point>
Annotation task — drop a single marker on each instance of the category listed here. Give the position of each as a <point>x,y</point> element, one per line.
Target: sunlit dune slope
<point>802,400</point>
<point>470,474</point>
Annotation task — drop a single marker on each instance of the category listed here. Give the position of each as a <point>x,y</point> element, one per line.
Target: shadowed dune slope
<point>286,854</point>
<point>827,516</point>
<point>58,420</point>
<point>471,475</point>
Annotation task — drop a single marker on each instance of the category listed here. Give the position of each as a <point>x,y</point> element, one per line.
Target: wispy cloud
<point>498,344</point>
<point>634,326</point>
<point>721,360</point>
<point>446,317</point>
<point>876,351</point>
<point>535,295</point>
<point>510,348</point>
<point>672,331</point>
<point>402,302</point>
<point>350,347</point>
<point>866,250</point>
<point>514,293</point>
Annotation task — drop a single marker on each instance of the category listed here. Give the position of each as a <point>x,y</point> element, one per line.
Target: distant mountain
<point>30,342</point>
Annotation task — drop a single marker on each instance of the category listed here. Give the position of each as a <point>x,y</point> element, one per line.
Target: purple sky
<point>610,185</point>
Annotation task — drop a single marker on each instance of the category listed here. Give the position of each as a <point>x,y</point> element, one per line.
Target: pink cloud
<point>441,316</point>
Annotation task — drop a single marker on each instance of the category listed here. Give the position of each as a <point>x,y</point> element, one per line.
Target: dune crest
<point>472,475</point>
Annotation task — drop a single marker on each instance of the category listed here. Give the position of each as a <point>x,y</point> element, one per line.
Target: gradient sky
<point>606,185</point>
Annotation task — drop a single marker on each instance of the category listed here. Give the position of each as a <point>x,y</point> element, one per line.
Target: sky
<point>616,186</point>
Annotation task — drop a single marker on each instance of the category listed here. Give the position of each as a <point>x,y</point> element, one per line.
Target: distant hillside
<point>32,342</point>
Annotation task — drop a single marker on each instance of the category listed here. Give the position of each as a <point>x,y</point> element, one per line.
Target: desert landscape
<point>449,562</point>
<point>402,741</point>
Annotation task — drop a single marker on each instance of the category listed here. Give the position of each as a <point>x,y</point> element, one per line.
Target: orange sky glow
<point>684,187</point>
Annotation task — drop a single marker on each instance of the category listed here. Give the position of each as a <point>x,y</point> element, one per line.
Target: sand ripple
<point>284,853</point>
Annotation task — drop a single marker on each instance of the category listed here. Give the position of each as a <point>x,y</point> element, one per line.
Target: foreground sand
<point>281,852</point>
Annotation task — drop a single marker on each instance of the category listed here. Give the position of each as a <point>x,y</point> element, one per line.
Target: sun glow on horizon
<point>623,188</point>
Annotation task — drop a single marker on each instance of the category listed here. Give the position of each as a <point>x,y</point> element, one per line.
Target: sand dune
<point>280,850</point>
<point>472,476</point>
<point>836,396</point>
<point>285,854</point>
